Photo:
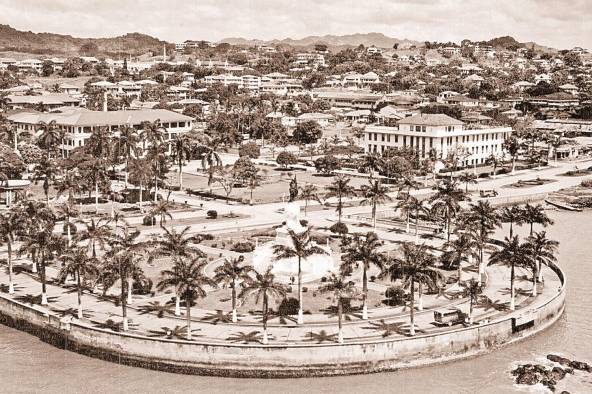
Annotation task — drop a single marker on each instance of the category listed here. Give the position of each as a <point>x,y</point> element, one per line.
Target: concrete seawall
<point>283,361</point>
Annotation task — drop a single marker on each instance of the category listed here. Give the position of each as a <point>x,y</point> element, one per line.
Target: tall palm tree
<point>153,132</point>
<point>76,263</point>
<point>415,264</point>
<point>45,246</point>
<point>161,209</point>
<point>129,141</point>
<point>49,137</point>
<point>174,244</point>
<point>46,170</point>
<point>210,158</point>
<point>372,163</point>
<point>308,192</point>
<point>264,287</point>
<point>374,194</point>
<point>233,274</point>
<point>342,289</point>
<point>466,178</point>
<point>412,205</point>
<point>126,241</point>
<point>182,148</point>
<point>495,161</point>
<point>302,247</point>
<point>121,266</point>
<point>364,249</point>
<point>535,214</point>
<point>542,251</point>
<point>512,253</point>
<point>472,290</point>
<point>513,215</point>
<point>68,210</point>
<point>189,279</point>
<point>340,188</point>
<point>97,234</point>
<point>140,172</point>
<point>463,248</point>
<point>446,201</point>
<point>11,227</point>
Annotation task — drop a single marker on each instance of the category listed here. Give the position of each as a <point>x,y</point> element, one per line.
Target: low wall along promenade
<point>283,361</point>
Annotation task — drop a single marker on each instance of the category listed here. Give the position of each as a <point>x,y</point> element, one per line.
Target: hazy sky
<point>558,23</point>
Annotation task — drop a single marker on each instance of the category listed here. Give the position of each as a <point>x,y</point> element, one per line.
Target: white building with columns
<point>443,134</point>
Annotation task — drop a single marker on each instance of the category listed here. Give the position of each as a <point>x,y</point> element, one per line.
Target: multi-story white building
<point>79,123</point>
<point>440,133</point>
<point>316,59</point>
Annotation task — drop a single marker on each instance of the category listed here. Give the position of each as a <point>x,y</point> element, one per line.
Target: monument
<point>285,270</point>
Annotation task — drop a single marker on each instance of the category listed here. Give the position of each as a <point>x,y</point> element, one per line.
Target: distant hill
<point>48,43</point>
<point>349,40</point>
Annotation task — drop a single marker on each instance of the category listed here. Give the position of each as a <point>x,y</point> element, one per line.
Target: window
<point>396,138</point>
<point>423,129</point>
<point>410,128</point>
<point>418,128</point>
<point>382,137</point>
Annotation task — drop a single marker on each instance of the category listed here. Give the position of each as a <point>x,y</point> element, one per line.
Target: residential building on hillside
<point>440,133</point>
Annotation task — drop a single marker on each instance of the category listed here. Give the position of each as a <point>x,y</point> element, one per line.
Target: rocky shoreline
<point>531,374</point>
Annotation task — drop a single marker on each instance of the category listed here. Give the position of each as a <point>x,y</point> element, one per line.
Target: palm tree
<point>511,253</point>
<point>535,214</point>
<point>49,137</point>
<point>462,249</point>
<point>141,172</point>
<point>512,146</point>
<point>129,141</point>
<point>210,158</point>
<point>542,251</point>
<point>264,287</point>
<point>412,205</point>
<point>76,263</point>
<point>495,161</point>
<point>513,215</point>
<point>480,220</point>
<point>153,132</point>
<point>414,265</point>
<point>446,201</point>
<point>175,244</point>
<point>371,163</point>
<point>472,289</point>
<point>10,228</point>
<point>307,193</point>
<point>68,211</point>
<point>232,274</point>
<point>374,195</point>
<point>96,233</point>
<point>44,245</point>
<point>121,266</point>
<point>342,289</point>
<point>302,247</point>
<point>340,189</point>
<point>466,178</point>
<point>161,209</point>
<point>182,148</point>
<point>46,170</point>
<point>362,249</point>
<point>189,280</point>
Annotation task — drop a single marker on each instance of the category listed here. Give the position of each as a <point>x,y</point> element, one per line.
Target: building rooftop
<point>431,120</point>
<point>85,117</point>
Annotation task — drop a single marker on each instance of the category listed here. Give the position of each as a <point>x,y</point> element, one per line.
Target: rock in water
<point>580,365</point>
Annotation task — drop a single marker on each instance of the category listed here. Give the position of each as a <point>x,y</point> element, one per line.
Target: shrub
<point>286,159</point>
<point>142,286</point>
<point>304,289</point>
<point>207,237</point>
<point>304,223</point>
<point>323,279</point>
<point>395,295</point>
<point>586,183</point>
<point>212,214</point>
<point>243,247</point>
<point>149,220</point>
<point>372,278</point>
<point>339,228</point>
<point>250,149</point>
<point>289,306</point>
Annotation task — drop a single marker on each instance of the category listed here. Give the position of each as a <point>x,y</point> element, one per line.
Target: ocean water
<point>28,365</point>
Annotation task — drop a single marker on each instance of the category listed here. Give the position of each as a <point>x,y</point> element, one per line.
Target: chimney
<point>105,101</point>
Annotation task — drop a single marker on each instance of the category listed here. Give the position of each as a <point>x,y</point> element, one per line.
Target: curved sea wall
<point>283,361</point>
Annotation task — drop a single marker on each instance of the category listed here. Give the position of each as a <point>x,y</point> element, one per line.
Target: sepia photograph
<point>269,196</point>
